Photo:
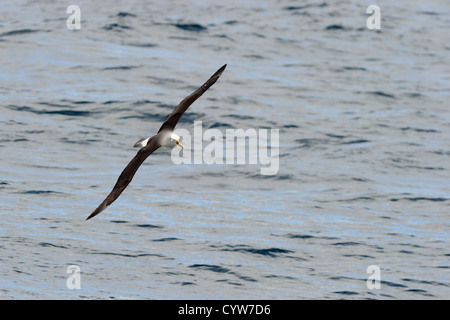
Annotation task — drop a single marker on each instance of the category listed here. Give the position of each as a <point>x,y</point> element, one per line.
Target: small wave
<point>147,226</point>
<point>299,236</point>
<point>210,267</point>
<point>66,112</point>
<point>34,131</point>
<point>431,13</point>
<point>414,199</point>
<point>231,22</point>
<point>219,269</point>
<point>310,142</point>
<point>18,32</point>
<point>83,142</point>
<point>421,292</point>
<point>414,95</point>
<point>270,252</point>
<point>295,8</point>
<point>336,27</point>
<point>194,27</point>
<point>139,255</point>
<point>425,282</point>
<point>78,102</point>
<point>147,116</point>
<point>354,69</point>
<point>419,130</point>
<point>239,117</point>
<point>112,101</point>
<point>47,244</point>
<point>116,27</point>
<point>271,177</point>
<point>74,113</point>
<point>143,101</point>
<point>356,141</point>
<point>360,179</point>
<point>336,136</point>
<point>20,271</point>
<point>219,125</point>
<point>186,283</point>
<point>142,44</point>
<point>392,284</point>
<point>307,236</point>
<point>346,293</point>
<point>399,163</point>
<point>123,14</point>
<point>357,199</point>
<point>165,239</point>
<point>39,192</point>
<point>254,56</point>
<point>346,243</point>
<point>122,67</point>
<point>359,256</point>
<point>382,94</point>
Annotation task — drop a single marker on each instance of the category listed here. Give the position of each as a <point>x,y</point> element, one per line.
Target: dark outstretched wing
<point>176,114</point>
<point>127,175</point>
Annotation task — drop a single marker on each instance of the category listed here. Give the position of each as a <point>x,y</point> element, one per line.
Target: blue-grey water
<point>364,126</point>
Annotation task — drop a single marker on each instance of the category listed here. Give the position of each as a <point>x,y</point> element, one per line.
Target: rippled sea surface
<point>364,127</point>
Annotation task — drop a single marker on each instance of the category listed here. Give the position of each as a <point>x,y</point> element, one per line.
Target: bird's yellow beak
<point>179,143</point>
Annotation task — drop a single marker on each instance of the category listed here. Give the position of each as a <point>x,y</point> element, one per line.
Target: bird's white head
<point>175,141</point>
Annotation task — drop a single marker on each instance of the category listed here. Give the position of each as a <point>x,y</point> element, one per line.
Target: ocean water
<point>364,136</point>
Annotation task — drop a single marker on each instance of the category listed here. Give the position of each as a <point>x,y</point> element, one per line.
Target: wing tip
<point>213,78</point>
<point>93,214</point>
<point>219,72</point>
<point>100,208</point>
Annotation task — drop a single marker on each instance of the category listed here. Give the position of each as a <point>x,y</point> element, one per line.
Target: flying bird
<point>164,138</point>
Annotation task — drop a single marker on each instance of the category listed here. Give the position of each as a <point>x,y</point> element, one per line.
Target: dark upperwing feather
<point>176,114</point>
<point>127,174</point>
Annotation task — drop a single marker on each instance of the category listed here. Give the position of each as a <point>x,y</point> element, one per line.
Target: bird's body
<point>164,138</point>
